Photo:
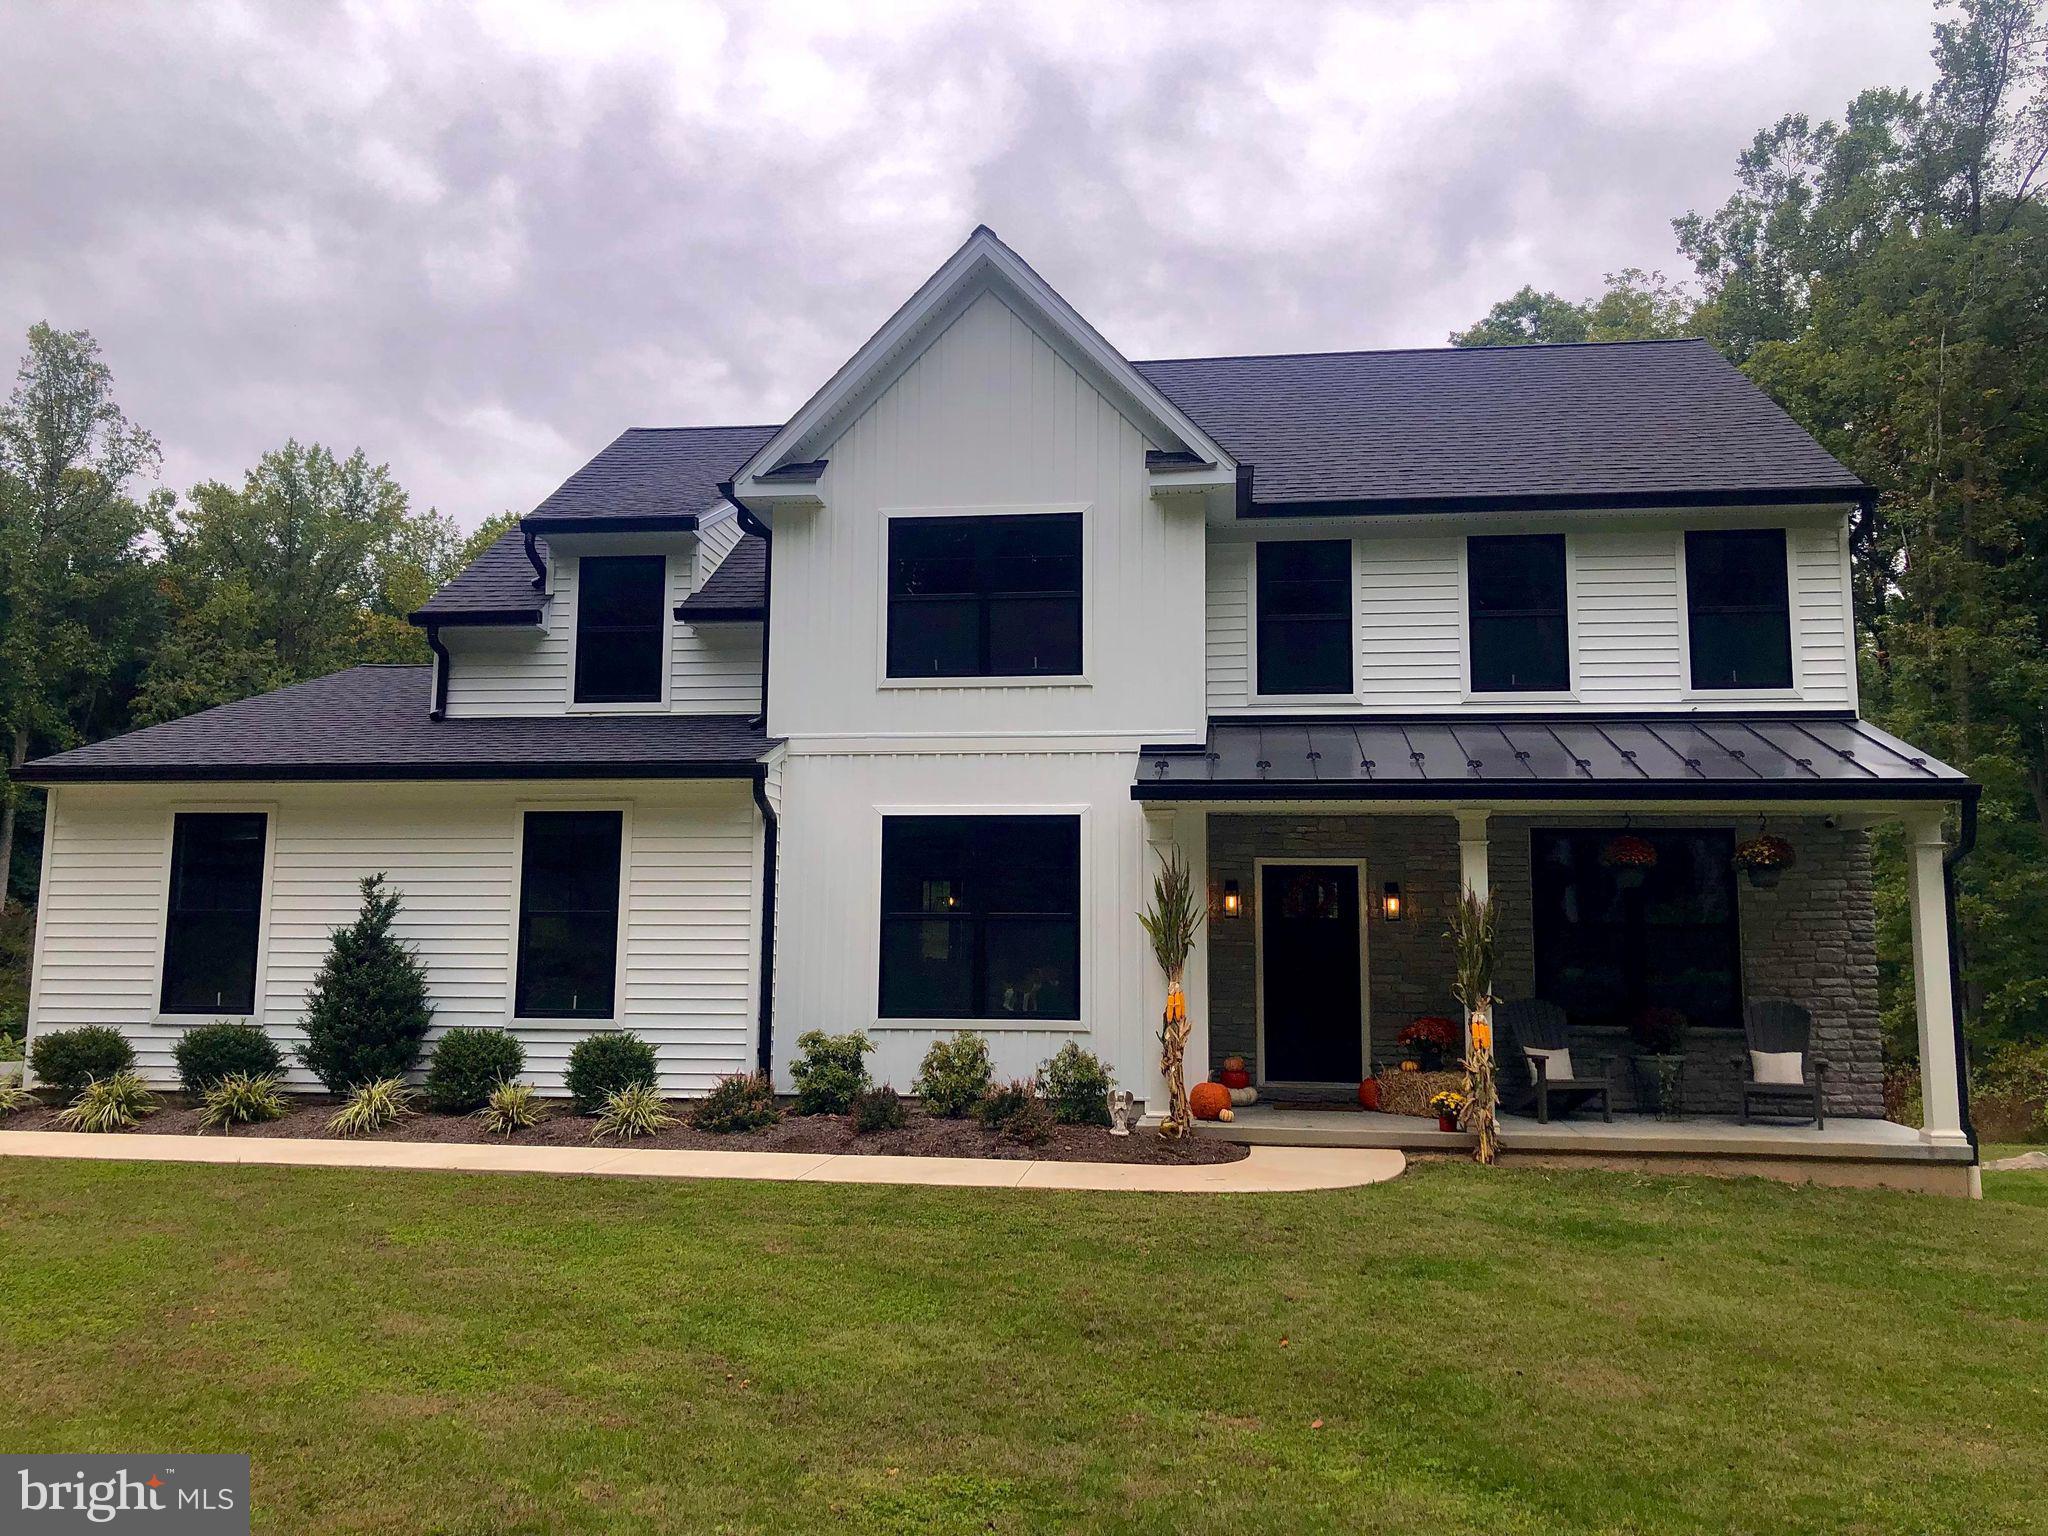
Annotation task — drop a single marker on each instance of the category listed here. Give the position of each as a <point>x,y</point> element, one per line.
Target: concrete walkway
<point>1266,1170</point>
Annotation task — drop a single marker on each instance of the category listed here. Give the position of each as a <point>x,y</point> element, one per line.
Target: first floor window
<point>981,917</point>
<point>216,913</point>
<point>985,596</point>
<point>1516,601</point>
<point>569,914</point>
<point>620,628</point>
<point>1612,940</point>
<point>1304,599</point>
<point>1738,613</point>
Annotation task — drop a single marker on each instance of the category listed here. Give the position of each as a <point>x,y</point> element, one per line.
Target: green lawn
<point>1460,1350</point>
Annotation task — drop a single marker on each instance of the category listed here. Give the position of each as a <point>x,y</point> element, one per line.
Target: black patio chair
<point>1534,1024</point>
<point>1773,1025</point>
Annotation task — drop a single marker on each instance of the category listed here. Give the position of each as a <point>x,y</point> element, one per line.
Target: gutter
<point>1965,844</point>
<point>438,709</point>
<point>764,1048</point>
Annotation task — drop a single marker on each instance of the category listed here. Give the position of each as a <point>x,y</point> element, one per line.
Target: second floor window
<point>568,914</point>
<point>985,596</point>
<point>1304,603</point>
<point>216,913</point>
<point>1520,635</point>
<point>620,628</point>
<point>1738,613</point>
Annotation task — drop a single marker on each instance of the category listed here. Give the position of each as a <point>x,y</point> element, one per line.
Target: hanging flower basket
<point>1630,857</point>
<point>1764,859</point>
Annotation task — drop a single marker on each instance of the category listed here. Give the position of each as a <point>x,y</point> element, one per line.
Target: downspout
<point>540,569</point>
<point>1966,841</point>
<point>438,705</point>
<point>761,531</point>
<point>764,1049</point>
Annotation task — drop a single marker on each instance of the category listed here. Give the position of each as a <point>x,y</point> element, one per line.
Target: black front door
<point>1310,973</point>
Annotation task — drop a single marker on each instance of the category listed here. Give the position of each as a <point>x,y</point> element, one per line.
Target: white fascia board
<point>983,259</point>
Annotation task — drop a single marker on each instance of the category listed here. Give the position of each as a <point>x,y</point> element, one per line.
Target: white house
<point>876,719</point>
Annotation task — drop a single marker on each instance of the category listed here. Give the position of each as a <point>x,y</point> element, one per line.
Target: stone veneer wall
<point>1812,939</point>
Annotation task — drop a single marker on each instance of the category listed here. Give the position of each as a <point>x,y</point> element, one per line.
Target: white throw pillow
<point>1775,1067</point>
<point>1558,1062</point>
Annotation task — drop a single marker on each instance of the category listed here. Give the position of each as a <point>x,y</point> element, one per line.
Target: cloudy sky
<point>478,242</point>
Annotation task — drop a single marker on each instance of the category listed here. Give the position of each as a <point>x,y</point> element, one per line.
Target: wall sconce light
<point>1233,902</point>
<point>1391,906</point>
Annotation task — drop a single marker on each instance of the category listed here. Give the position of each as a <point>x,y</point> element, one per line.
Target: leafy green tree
<point>487,533</point>
<point>1634,306</point>
<point>76,603</point>
<point>310,566</point>
<point>368,1013</point>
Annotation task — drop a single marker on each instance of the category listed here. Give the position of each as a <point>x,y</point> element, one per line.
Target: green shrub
<point>1015,1112</point>
<point>68,1059</point>
<point>1077,1086</point>
<point>467,1065</point>
<point>240,1099</point>
<point>368,1013</point>
<point>209,1053</point>
<point>830,1071</point>
<point>635,1110</point>
<point>878,1109</point>
<point>743,1102</point>
<point>114,1103</point>
<point>954,1075</point>
<point>10,1045</point>
<point>2012,1085</point>
<point>603,1064</point>
<point>372,1107</point>
<point>512,1107</point>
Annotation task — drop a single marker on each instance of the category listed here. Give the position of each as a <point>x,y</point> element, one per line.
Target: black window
<point>619,628</point>
<point>568,914</point>
<point>981,917</point>
<point>1737,609</point>
<point>1305,617</point>
<point>216,910</point>
<point>1612,941</point>
<point>985,596</point>
<point>1521,641</point>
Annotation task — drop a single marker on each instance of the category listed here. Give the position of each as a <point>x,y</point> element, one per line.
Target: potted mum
<point>1764,859</point>
<point>1447,1106</point>
<point>1432,1039</point>
<point>1659,1064</point>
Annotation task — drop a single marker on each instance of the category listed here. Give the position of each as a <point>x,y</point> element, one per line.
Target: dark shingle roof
<point>1543,757</point>
<point>497,586</point>
<point>736,589</point>
<point>372,723</point>
<point>1603,423</point>
<point>653,472</point>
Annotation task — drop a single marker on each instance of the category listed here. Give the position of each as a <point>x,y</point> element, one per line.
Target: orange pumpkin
<point>1209,1101</point>
<point>1233,1063</point>
<point>1234,1077</point>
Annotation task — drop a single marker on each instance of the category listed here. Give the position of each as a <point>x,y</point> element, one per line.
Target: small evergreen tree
<point>368,1012</point>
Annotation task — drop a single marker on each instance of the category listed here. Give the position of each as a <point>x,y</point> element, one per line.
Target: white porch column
<point>1941,1100</point>
<point>1472,851</point>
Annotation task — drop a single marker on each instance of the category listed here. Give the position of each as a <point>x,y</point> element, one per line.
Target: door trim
<point>1259,965</point>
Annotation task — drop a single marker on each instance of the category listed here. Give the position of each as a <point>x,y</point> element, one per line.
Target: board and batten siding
<point>686,977</point>
<point>1628,615</point>
<point>714,669</point>
<point>989,418</point>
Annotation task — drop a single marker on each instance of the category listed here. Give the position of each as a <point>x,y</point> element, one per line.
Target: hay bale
<point>1409,1093</point>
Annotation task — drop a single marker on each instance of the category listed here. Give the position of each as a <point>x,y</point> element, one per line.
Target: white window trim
<point>668,635</point>
<point>1251,636</point>
<point>1259,866</point>
<point>184,1021</point>
<point>514,1019</point>
<point>1470,695</point>
<point>1059,680</point>
<point>1692,695</point>
<point>890,1023</point>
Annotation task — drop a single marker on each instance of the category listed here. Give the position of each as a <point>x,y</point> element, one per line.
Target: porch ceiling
<point>1549,757</point>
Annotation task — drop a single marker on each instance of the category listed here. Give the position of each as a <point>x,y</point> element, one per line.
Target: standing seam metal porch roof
<point>1648,757</point>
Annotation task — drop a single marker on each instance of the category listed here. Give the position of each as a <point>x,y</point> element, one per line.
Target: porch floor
<point>1628,1136</point>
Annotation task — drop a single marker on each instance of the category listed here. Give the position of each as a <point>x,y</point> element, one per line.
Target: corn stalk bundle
<point>1171,923</point>
<point>1472,927</point>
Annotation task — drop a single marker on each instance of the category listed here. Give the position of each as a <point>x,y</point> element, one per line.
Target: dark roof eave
<point>598,522</point>
<point>457,618</point>
<point>1605,501</point>
<point>1964,790</point>
<point>716,613</point>
<point>248,773</point>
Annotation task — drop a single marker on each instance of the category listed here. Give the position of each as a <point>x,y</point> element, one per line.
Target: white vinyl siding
<point>686,974</point>
<point>1627,599</point>
<point>714,669</point>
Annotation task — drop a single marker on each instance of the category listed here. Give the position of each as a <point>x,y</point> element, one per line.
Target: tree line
<point>1885,279</point>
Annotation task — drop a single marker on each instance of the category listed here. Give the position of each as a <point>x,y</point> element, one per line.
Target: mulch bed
<point>923,1136</point>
